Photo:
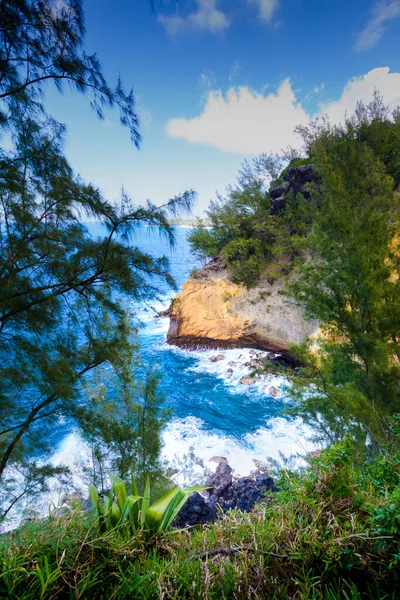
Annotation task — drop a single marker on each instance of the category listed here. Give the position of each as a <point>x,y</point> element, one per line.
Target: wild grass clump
<point>332,532</point>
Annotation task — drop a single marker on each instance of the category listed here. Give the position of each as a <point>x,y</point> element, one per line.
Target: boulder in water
<point>261,466</point>
<point>249,380</point>
<point>256,363</point>
<point>217,357</point>
<point>273,391</point>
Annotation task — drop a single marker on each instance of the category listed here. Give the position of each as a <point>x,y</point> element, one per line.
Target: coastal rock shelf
<point>226,493</point>
<point>213,312</point>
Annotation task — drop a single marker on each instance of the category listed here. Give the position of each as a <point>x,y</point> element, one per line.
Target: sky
<point>220,81</point>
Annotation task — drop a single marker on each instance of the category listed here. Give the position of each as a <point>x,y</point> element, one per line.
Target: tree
<point>41,42</point>
<point>61,309</point>
<point>203,243</point>
<point>351,284</point>
<point>246,260</point>
<point>237,220</point>
<point>242,228</point>
<point>122,420</point>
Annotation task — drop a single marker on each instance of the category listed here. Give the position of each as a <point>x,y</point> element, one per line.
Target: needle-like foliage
<point>61,288</point>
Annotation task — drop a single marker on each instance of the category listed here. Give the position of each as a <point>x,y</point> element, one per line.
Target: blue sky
<point>218,81</point>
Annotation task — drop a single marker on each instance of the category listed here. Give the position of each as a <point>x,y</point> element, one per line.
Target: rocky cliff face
<point>203,310</point>
<point>294,179</point>
<point>212,311</point>
<point>215,313</point>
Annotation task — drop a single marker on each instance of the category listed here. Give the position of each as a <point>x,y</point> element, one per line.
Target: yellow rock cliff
<point>203,310</point>
<point>212,311</point>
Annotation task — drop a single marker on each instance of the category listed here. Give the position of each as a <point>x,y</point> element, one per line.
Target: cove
<point>211,415</point>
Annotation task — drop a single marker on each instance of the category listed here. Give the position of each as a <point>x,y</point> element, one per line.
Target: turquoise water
<point>212,415</point>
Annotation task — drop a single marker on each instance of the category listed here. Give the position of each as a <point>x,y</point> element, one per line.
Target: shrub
<point>246,260</point>
<point>332,532</point>
<point>202,242</point>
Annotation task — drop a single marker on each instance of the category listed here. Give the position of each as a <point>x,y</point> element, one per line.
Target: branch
<point>23,86</point>
<point>33,416</point>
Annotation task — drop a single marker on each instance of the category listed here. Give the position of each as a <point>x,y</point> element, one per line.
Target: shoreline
<point>188,342</point>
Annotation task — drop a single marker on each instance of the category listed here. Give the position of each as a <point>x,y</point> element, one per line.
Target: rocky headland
<point>213,312</point>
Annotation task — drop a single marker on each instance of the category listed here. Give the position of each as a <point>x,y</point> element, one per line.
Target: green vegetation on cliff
<point>240,227</point>
<point>333,220</point>
<point>244,227</point>
<point>266,218</point>
<point>351,282</point>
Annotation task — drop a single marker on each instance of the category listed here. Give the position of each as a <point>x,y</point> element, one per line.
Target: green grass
<point>332,532</point>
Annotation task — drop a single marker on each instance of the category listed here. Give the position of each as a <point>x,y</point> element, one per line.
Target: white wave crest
<point>187,437</point>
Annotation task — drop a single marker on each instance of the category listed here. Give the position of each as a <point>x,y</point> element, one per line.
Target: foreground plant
<point>134,511</point>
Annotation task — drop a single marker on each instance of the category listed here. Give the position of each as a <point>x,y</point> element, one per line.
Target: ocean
<point>211,414</point>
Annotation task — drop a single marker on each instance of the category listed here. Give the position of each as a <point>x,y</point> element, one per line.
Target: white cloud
<point>234,72</point>
<point>362,88</point>
<point>207,17</point>
<point>319,89</point>
<point>244,121</point>
<point>207,79</point>
<point>382,12</point>
<point>266,8</point>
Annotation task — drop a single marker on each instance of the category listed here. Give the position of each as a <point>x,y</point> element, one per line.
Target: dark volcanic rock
<point>280,190</point>
<point>256,363</point>
<point>297,177</point>
<point>221,479</point>
<point>217,357</point>
<point>247,380</point>
<point>295,180</point>
<point>225,493</point>
<point>284,360</point>
<point>277,204</point>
